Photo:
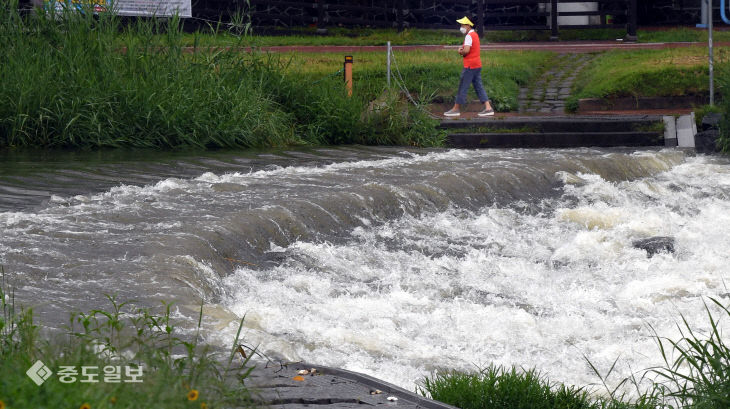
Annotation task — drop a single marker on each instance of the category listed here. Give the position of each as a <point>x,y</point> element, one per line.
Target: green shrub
<point>497,387</point>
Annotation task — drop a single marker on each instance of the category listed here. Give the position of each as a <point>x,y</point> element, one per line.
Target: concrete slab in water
<point>670,131</point>
<point>275,385</point>
<point>686,131</point>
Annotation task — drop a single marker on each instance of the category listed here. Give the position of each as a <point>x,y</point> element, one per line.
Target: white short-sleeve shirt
<point>468,41</point>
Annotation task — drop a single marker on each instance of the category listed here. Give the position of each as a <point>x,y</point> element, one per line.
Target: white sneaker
<point>486,112</point>
<point>451,112</point>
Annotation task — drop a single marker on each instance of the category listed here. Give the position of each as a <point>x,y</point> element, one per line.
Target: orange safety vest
<point>473,60</point>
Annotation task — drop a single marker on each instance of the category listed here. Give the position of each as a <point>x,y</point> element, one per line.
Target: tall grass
<point>497,387</point>
<point>696,373</point>
<point>79,80</point>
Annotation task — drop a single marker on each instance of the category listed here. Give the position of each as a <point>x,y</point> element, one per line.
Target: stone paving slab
<point>281,386</point>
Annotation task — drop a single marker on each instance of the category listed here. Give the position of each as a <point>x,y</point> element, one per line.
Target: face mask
<point>463,30</point>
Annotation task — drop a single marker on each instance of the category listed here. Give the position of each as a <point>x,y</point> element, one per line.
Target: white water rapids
<point>460,289</point>
<point>398,264</point>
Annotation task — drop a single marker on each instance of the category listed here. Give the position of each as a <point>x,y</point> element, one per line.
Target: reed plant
<point>79,80</point>
<point>696,371</point>
<point>174,370</point>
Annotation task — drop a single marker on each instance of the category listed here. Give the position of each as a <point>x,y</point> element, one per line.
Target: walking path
<point>549,93</point>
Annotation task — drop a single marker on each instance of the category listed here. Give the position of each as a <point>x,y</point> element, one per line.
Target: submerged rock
<point>654,245</point>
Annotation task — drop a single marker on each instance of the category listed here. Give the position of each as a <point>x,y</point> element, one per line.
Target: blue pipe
<point>723,12</point>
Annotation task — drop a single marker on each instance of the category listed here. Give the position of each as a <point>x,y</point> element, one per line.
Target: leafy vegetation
<point>118,346</point>
<point>79,80</point>
<point>695,375</point>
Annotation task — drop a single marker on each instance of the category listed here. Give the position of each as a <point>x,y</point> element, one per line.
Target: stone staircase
<point>556,131</point>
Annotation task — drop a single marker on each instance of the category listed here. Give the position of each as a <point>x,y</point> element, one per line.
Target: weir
<point>386,261</point>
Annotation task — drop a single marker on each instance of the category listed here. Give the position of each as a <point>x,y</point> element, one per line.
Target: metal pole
<point>480,17</point>
<point>320,15</point>
<point>554,20</point>
<point>399,14</point>
<point>709,41</point>
<point>389,64</point>
<point>631,26</point>
<point>703,15</point>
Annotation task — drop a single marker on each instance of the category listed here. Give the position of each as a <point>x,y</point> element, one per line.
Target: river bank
<point>68,85</point>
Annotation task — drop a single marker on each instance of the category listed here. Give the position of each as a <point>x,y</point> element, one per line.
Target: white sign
<point>182,8</point>
<point>159,8</point>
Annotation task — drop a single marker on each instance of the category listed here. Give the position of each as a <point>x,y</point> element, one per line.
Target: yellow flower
<point>113,400</point>
<point>85,406</point>
<point>193,394</point>
<point>2,405</point>
<point>203,405</point>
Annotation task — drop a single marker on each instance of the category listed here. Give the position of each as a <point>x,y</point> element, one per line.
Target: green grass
<point>177,372</point>
<point>75,81</point>
<point>497,387</point>
<point>647,73</point>
<point>695,375</point>
<point>429,75</point>
<point>696,372</point>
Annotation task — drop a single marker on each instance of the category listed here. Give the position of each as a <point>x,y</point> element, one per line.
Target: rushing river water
<point>387,261</point>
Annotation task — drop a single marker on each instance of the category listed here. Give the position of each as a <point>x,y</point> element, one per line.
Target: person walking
<point>472,72</point>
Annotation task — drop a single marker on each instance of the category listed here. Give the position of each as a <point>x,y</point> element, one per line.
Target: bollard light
<point>348,74</point>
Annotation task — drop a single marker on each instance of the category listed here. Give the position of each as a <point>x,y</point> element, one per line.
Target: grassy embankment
<point>77,81</point>
<point>695,375</point>
<point>657,73</point>
<point>67,82</point>
<point>647,73</point>
<point>430,75</point>
<point>176,372</point>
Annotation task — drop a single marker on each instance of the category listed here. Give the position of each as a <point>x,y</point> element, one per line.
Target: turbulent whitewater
<point>400,263</point>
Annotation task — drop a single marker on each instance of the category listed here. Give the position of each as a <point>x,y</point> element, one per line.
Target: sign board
<point>159,8</point>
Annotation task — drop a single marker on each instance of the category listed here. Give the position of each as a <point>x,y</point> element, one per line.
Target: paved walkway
<point>549,93</point>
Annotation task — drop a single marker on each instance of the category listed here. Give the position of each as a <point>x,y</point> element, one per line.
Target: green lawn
<point>428,74</point>
<point>650,73</point>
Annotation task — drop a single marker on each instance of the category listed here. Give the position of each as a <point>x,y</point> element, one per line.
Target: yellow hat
<point>465,20</point>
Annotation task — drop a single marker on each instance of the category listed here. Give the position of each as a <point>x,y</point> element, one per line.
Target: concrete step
<point>542,124</point>
<point>554,139</point>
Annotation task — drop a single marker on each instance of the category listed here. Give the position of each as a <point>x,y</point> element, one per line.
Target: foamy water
<point>459,289</point>
<point>397,264</point>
